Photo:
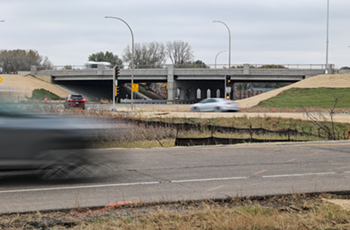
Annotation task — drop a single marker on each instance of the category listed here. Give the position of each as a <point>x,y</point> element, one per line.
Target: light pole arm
<point>229,55</point>
<point>217,56</point>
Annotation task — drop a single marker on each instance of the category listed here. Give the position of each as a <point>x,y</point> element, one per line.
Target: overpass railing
<point>127,101</point>
<point>198,66</point>
<point>257,66</point>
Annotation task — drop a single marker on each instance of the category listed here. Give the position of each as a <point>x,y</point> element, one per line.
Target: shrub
<point>40,94</point>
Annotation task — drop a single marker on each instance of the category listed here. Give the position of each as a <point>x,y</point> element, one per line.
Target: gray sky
<point>263,32</point>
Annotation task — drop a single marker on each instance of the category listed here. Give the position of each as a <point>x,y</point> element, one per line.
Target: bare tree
<point>179,52</point>
<point>12,61</point>
<point>147,55</point>
<point>331,131</point>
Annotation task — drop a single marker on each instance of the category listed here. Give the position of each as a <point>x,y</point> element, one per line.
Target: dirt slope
<point>16,87</point>
<point>329,81</point>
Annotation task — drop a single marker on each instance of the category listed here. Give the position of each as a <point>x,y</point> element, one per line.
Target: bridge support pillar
<point>170,82</point>
<point>246,69</point>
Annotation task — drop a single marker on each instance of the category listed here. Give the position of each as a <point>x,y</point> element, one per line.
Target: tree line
<point>151,55</point>
<point>12,61</point>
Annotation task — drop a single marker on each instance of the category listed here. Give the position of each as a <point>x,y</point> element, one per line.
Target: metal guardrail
<point>127,101</point>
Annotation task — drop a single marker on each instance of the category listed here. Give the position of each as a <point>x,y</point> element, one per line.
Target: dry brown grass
<point>297,211</point>
<point>105,101</point>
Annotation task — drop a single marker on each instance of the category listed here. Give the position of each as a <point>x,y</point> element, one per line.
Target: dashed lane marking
<point>209,179</point>
<point>295,175</point>
<point>79,187</point>
<point>159,182</point>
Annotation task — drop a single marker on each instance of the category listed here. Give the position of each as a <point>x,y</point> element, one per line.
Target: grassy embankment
<point>295,98</point>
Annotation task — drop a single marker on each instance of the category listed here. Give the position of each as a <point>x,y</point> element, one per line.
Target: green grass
<point>308,98</point>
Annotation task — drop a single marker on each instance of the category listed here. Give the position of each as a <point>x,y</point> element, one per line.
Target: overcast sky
<point>262,31</point>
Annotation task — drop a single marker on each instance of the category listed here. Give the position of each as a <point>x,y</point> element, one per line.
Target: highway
<point>183,173</point>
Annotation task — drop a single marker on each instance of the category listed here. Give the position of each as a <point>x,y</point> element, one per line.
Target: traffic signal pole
<point>115,83</point>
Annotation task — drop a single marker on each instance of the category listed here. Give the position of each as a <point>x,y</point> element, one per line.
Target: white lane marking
<point>304,174</point>
<point>209,179</point>
<point>77,187</point>
<point>158,182</point>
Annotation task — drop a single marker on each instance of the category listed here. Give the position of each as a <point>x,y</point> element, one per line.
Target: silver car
<point>215,105</point>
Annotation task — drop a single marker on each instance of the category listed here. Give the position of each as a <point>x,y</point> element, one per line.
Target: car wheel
<point>218,109</point>
<point>195,109</point>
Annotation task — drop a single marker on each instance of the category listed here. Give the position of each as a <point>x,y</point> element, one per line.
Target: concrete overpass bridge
<point>186,83</point>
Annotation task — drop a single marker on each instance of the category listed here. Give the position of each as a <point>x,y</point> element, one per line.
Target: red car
<point>75,101</point>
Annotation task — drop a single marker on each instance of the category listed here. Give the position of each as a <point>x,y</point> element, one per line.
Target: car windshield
<point>77,97</point>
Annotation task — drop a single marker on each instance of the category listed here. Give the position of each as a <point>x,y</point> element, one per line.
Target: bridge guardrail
<point>127,101</point>
<point>199,66</point>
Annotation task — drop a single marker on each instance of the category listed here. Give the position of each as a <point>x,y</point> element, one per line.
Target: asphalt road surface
<point>183,173</point>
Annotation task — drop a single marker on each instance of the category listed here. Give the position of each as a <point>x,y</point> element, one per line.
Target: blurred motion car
<point>50,144</point>
<point>215,105</point>
<point>75,101</point>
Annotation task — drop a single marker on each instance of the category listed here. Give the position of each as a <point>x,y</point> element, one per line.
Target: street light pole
<point>229,53</point>
<point>326,72</point>
<point>132,61</point>
<point>217,56</point>
<point>229,49</point>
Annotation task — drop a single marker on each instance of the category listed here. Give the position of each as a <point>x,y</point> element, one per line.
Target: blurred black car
<point>75,101</point>
<point>40,142</point>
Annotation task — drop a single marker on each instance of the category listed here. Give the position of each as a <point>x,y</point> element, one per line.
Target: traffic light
<point>116,91</point>
<point>117,94</point>
<point>228,96</point>
<point>228,79</point>
<point>116,73</point>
